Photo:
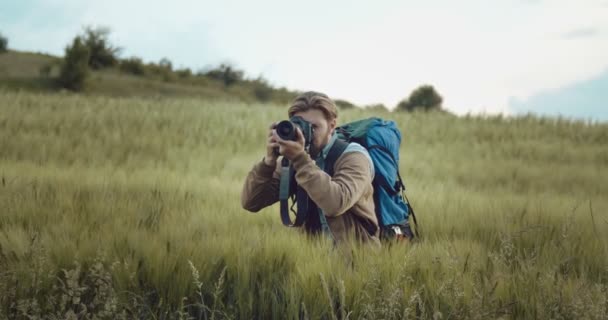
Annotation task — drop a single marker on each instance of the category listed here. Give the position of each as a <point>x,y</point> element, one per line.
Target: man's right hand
<point>271,146</point>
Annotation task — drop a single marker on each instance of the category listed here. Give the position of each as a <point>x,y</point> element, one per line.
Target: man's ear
<point>332,125</point>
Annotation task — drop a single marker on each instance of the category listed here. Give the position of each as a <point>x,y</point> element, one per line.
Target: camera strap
<point>286,185</point>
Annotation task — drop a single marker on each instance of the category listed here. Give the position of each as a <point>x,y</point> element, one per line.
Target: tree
<point>166,64</point>
<point>133,65</point>
<point>3,43</point>
<point>75,66</point>
<point>102,53</point>
<point>424,98</point>
<point>164,68</point>
<point>227,74</point>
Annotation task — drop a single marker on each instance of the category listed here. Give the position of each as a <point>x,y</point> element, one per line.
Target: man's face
<point>322,128</point>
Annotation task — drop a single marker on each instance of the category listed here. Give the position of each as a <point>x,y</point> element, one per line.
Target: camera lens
<point>286,130</point>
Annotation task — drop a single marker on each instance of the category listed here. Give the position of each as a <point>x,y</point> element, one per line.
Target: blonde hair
<point>314,100</point>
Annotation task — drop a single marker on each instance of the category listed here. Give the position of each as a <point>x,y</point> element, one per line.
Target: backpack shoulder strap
<point>334,153</point>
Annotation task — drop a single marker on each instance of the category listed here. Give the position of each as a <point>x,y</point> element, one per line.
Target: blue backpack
<point>382,139</point>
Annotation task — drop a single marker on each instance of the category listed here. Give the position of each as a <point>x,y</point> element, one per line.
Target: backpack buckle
<point>397,230</point>
<point>399,234</point>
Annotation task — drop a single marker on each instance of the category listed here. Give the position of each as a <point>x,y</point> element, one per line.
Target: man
<point>345,200</point>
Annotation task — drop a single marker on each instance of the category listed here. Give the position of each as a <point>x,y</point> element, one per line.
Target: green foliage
<point>184,73</point>
<point>378,107</point>
<point>75,67</point>
<point>3,43</point>
<point>343,104</point>
<point>69,293</point>
<point>147,191</point>
<point>423,98</point>
<point>102,53</point>
<point>226,73</point>
<point>133,65</point>
<point>163,69</point>
<point>166,64</point>
<point>262,90</point>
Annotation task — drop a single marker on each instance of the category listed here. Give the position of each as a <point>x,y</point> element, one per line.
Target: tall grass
<point>124,208</point>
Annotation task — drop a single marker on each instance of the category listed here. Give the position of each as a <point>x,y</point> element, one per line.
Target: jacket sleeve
<point>261,188</point>
<point>334,195</point>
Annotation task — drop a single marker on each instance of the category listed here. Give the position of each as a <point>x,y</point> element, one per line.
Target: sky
<point>501,56</point>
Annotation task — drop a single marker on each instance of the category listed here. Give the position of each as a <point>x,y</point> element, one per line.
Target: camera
<point>286,130</point>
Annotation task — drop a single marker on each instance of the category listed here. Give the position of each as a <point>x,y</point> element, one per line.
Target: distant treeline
<point>91,50</point>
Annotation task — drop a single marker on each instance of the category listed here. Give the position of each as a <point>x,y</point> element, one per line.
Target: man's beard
<point>314,151</point>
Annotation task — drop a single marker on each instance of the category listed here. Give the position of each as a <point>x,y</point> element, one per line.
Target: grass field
<point>129,208</point>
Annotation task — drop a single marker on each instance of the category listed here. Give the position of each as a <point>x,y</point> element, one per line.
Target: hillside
<point>38,72</point>
<point>129,208</point>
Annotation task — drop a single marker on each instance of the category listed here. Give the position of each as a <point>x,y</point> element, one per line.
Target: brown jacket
<point>346,198</point>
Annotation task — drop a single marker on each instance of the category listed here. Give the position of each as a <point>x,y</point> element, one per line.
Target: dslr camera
<point>286,129</point>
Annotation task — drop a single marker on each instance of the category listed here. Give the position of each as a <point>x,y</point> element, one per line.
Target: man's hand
<point>290,149</point>
<point>271,146</point>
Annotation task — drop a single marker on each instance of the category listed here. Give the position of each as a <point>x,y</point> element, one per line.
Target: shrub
<point>424,97</point>
<point>133,65</point>
<point>101,53</point>
<point>377,107</point>
<point>343,104</point>
<point>184,73</point>
<point>75,67</point>
<point>262,91</point>
<point>163,69</point>
<point>3,43</point>
<point>227,74</point>
<point>166,64</point>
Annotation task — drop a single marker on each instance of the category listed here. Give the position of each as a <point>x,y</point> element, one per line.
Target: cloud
<point>581,33</point>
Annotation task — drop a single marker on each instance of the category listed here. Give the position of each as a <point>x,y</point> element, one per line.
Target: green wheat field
<point>122,208</point>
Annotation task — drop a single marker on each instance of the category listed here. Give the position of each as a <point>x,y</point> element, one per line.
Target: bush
<point>377,107</point>
<point>3,43</point>
<point>101,53</point>
<point>133,65</point>
<point>343,104</point>
<point>163,68</point>
<point>262,91</point>
<point>75,67</point>
<point>184,73</point>
<point>227,74</point>
<point>424,98</point>
<point>166,64</point>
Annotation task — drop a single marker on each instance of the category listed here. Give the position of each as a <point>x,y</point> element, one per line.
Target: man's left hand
<point>291,149</point>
